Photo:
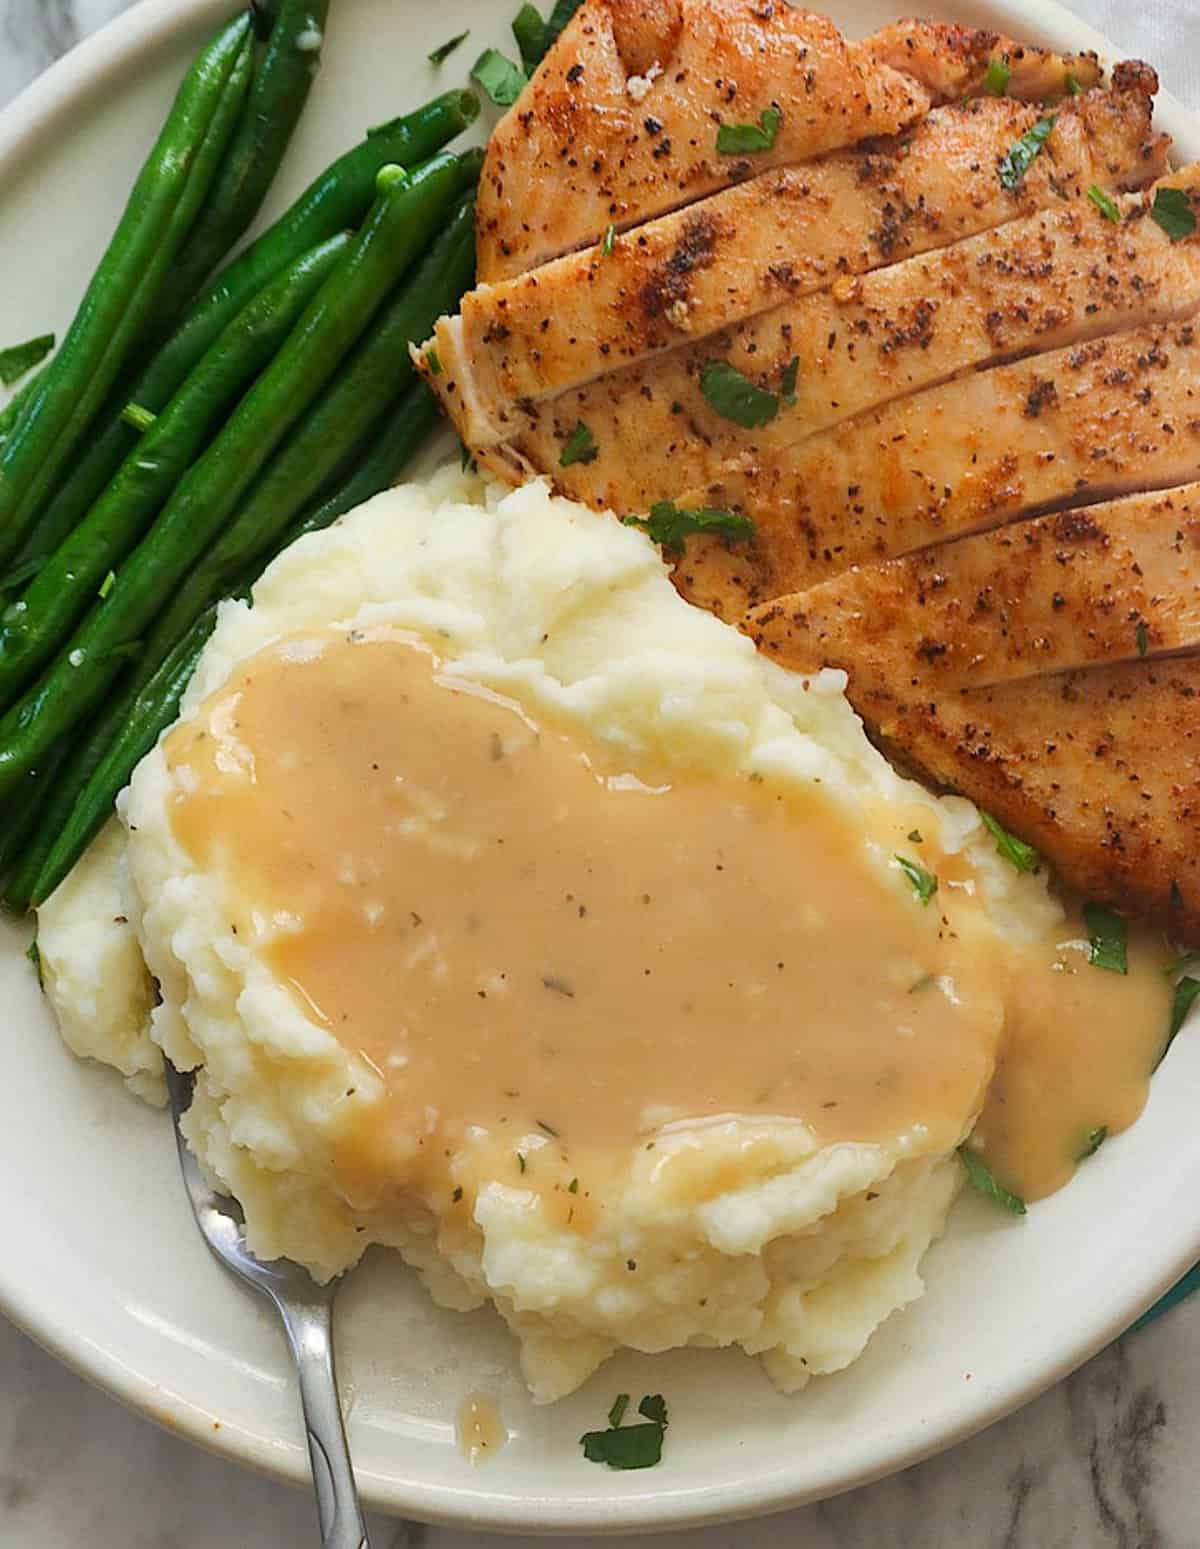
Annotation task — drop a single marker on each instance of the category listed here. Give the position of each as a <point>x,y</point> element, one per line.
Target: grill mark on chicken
<point>782,234</point>
<point>573,155</point>
<point>1033,285</point>
<point>1124,415</point>
<point>1116,583</point>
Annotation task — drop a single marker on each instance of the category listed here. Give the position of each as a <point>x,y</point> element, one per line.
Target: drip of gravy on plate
<point>550,952</point>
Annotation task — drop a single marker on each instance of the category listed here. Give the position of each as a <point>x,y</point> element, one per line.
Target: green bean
<point>376,467</point>
<point>127,729</point>
<point>22,814</point>
<point>340,419</point>
<point>113,312</point>
<point>11,411</point>
<point>339,198</point>
<point>405,213</point>
<point>33,627</point>
<point>273,106</point>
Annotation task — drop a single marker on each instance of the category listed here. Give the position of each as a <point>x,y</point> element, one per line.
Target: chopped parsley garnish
<point>106,586</point>
<point>787,382</point>
<point>736,397</point>
<point>529,30</point>
<point>444,50</point>
<point>535,36</point>
<point>498,77</point>
<point>558,19</point>
<point>924,883</point>
<point>746,139</point>
<point>579,447</point>
<point>1019,159</point>
<point>1190,960</point>
<point>1095,1139</point>
<point>1107,935</point>
<point>1108,207</point>
<point>1142,636</point>
<point>914,836</point>
<point>521,1162</point>
<point>981,1177</point>
<point>138,417</point>
<point>1176,895</point>
<point>17,359</point>
<point>1015,851</point>
<point>466,460</point>
<point>995,82</point>
<point>573,1186</point>
<point>1073,88</point>
<point>1185,995</point>
<point>629,1446</point>
<point>548,1128</point>
<point>1172,210</point>
<point>610,236</point>
<point>434,361</point>
<point>670,526</point>
<point>35,957</point>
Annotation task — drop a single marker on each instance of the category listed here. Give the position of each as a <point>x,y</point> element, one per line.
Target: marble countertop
<point>1106,1459</point>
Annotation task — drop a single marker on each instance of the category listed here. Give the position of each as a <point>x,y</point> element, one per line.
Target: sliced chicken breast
<point>620,122</point>
<point>1032,285</point>
<point>1115,583</point>
<point>1099,769</point>
<point>1073,427</point>
<point>779,236</point>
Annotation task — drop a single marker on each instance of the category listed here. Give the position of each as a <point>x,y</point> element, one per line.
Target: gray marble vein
<point>1108,1460</point>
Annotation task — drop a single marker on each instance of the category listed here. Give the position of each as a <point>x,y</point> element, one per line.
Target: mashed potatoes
<point>789,1248</point>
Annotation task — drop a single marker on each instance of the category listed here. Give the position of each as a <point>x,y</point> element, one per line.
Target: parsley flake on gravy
<point>1019,159</point>
<point>498,77</point>
<point>981,1177</point>
<point>444,50</point>
<point>629,1446</point>
<point>670,526</point>
<point>1172,210</point>
<point>1185,995</point>
<point>1107,936</point>
<point>747,139</point>
<point>735,397</point>
<point>924,883</point>
<point>610,236</point>
<point>17,359</point>
<point>1095,1139</point>
<point>1015,851</point>
<point>579,447</point>
<point>1107,206</point>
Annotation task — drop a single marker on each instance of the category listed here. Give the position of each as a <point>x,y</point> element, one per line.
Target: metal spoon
<point>306,1309</point>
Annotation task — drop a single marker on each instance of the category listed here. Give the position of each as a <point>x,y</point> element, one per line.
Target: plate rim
<point>36,112</point>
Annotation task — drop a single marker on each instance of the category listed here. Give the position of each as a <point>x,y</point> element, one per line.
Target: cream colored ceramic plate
<point>100,1260</point>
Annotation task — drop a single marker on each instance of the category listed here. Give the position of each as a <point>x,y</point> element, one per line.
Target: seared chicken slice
<point>1077,426</point>
<point>620,121</point>
<point>1099,769</point>
<point>1032,285</point>
<point>1114,583</point>
<point>780,236</point>
<point>939,57</point>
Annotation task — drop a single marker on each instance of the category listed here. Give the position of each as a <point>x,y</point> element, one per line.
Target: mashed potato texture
<point>793,1251</point>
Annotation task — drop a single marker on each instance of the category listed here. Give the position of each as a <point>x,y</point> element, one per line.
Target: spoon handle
<point>309,1330</point>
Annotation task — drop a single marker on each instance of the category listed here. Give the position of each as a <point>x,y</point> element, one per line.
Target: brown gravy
<point>542,949</point>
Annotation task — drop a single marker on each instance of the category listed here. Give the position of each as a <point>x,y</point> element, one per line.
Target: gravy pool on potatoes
<point>551,954</point>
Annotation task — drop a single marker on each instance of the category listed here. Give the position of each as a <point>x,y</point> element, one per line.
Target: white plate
<point>100,1260</point>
